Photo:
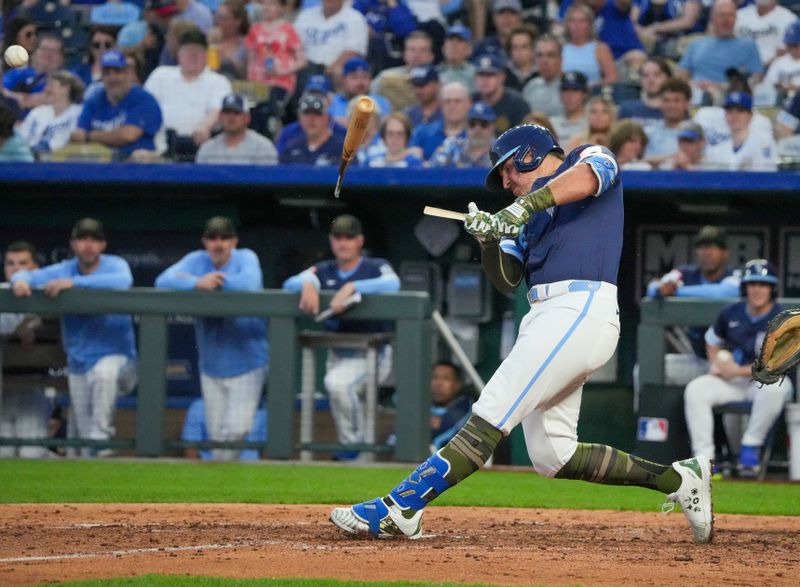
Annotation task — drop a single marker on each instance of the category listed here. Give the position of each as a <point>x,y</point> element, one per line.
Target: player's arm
<point>114,273</point>
<point>182,275</point>
<point>248,276</point>
<point>387,282</point>
<point>503,269</point>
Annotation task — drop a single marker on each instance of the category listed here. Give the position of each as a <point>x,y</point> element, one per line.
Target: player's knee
<point>695,392</point>
<point>547,463</point>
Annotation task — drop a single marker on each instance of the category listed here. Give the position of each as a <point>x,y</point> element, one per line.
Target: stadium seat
<point>80,152</point>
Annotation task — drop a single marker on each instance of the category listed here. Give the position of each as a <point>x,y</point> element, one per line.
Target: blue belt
<point>542,292</point>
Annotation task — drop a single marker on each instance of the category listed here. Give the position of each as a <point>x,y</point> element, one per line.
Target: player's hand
<point>338,304</point>
<point>211,281</point>
<point>667,289</point>
<point>56,286</point>
<point>309,299</point>
<point>480,224</point>
<point>22,289</point>
<point>727,369</point>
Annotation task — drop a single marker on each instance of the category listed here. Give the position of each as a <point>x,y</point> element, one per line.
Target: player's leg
<point>699,399</point>
<point>768,401</point>
<point>215,401</point>
<point>103,380</point>
<point>79,424</point>
<point>33,409</point>
<point>244,392</point>
<point>345,378</point>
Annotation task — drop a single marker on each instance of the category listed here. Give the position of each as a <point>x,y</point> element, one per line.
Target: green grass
<point>172,581</point>
<point>176,482</point>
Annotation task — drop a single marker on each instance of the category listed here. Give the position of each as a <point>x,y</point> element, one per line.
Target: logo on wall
<point>662,248</point>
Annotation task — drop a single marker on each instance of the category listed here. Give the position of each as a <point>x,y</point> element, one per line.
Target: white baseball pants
<point>93,397</point>
<point>707,391</point>
<point>345,382</point>
<point>570,331</point>
<point>231,404</point>
<point>24,414</point>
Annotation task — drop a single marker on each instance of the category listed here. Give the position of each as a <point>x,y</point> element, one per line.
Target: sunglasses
<point>102,44</point>
<point>29,34</point>
<point>480,123</point>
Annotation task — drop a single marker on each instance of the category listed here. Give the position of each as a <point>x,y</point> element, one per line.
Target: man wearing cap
<point>509,106</point>
<point>233,352</point>
<point>332,33</point>
<point>189,93</point>
<point>691,147</point>
<point>746,149</point>
<point>543,92</point>
<point>100,348</point>
<point>350,272</point>
<point>456,104</point>
<point>356,79</point>
<point>123,115</point>
<point>427,107</point>
<point>506,16</point>
<point>472,150</point>
<point>574,96</point>
<point>705,60</point>
<point>457,49</point>
<point>237,143</point>
<point>395,82</point>
<point>318,144</point>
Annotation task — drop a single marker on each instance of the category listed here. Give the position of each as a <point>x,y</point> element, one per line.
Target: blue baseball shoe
<point>749,465</point>
<point>378,519</point>
<point>694,496</point>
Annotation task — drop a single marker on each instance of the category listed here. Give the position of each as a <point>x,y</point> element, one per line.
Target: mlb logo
<point>653,429</point>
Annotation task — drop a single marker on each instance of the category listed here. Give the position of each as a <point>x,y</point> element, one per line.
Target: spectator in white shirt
<point>48,127</point>
<point>746,149</point>
<point>783,76</point>
<point>765,23</point>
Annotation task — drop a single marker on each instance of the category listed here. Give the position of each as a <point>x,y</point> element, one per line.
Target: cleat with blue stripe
<point>378,519</point>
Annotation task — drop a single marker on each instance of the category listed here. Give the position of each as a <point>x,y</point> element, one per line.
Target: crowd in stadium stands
<point>668,84</point>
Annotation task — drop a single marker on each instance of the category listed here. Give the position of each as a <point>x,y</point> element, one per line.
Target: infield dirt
<point>51,543</point>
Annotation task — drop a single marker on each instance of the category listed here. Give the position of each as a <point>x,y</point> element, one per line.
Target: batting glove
<point>480,224</point>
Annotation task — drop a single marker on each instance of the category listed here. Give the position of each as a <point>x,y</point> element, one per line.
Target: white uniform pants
<point>345,382</point>
<point>93,397</point>
<point>707,391</point>
<point>679,369</point>
<point>231,404</point>
<point>24,414</point>
<point>571,332</point>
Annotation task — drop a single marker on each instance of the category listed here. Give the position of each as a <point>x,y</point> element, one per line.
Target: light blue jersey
<point>87,338</point>
<point>226,346</point>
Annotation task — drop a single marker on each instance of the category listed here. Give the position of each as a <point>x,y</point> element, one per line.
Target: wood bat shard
<point>356,129</point>
<point>442,213</point>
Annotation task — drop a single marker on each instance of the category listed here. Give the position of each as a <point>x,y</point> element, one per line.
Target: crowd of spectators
<point>270,81</point>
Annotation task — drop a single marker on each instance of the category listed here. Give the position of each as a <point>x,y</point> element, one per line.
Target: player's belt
<point>545,291</point>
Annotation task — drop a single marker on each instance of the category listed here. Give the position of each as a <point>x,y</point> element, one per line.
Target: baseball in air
<point>16,56</point>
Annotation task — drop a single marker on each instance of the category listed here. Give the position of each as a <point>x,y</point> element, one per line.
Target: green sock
<point>598,463</point>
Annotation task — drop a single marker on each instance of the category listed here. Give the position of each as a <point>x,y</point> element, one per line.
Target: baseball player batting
<point>563,235</point>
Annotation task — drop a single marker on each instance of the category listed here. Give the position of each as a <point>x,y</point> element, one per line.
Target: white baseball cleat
<point>378,519</point>
<point>694,496</point>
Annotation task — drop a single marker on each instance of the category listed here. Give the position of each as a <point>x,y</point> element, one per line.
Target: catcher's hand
<point>780,350</point>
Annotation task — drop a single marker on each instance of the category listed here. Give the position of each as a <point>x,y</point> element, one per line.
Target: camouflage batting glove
<point>511,218</point>
<point>480,224</point>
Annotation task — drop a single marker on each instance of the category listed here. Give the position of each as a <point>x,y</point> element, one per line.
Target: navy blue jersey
<point>581,240</point>
<point>331,278</point>
<point>328,153</point>
<point>739,332</point>
<point>692,275</point>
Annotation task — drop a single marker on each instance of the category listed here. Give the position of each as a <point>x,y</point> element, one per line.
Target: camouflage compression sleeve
<point>504,271</point>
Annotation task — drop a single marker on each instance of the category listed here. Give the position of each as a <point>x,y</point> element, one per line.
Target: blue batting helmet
<point>760,271</point>
<point>520,142</point>
<point>792,34</point>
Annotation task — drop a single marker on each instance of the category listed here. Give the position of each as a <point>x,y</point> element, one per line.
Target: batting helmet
<point>520,142</point>
<point>792,34</point>
<point>759,271</point>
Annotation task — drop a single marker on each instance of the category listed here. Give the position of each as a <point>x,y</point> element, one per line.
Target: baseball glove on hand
<point>780,351</point>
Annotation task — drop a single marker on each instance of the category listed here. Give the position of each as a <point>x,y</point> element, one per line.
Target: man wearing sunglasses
<point>472,150</point>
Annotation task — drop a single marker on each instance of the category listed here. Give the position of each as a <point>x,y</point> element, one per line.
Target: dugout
<point>154,215</point>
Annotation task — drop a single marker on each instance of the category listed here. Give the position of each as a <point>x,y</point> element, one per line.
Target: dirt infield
<point>46,543</point>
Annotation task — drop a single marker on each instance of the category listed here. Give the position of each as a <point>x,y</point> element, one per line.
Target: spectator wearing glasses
<point>237,144</point>
<point>472,150</point>
<point>90,71</point>
<point>543,92</point>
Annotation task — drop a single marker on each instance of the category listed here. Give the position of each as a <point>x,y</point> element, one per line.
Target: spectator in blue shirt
<point>232,351</point>
<point>196,430</point>
<point>356,79</point>
<point>101,354</point>
<point>123,116</point>
<point>389,22</point>
<point>26,84</point>
<point>318,144</point>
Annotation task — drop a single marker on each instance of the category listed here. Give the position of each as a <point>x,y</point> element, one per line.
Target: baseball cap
<point>219,226</point>
<point>711,236</point>
<point>424,74</point>
<point>310,103</point>
<point>346,224</point>
<point>162,7</point>
<point>792,34</point>
<point>574,80</point>
<point>739,100</point>
<point>235,103</point>
<point>460,31</point>
<point>500,5</point>
<point>354,64</point>
<point>489,63</point>
<point>88,227</point>
<point>482,111</point>
<point>318,83</point>
<point>132,34</point>
<point>114,58</point>
<point>690,131</point>
<point>193,36</point>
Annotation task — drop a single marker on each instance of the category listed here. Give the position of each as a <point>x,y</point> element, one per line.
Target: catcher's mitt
<point>780,351</point>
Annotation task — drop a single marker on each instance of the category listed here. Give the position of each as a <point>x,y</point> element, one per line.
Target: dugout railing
<point>661,403</point>
<point>409,311</point>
